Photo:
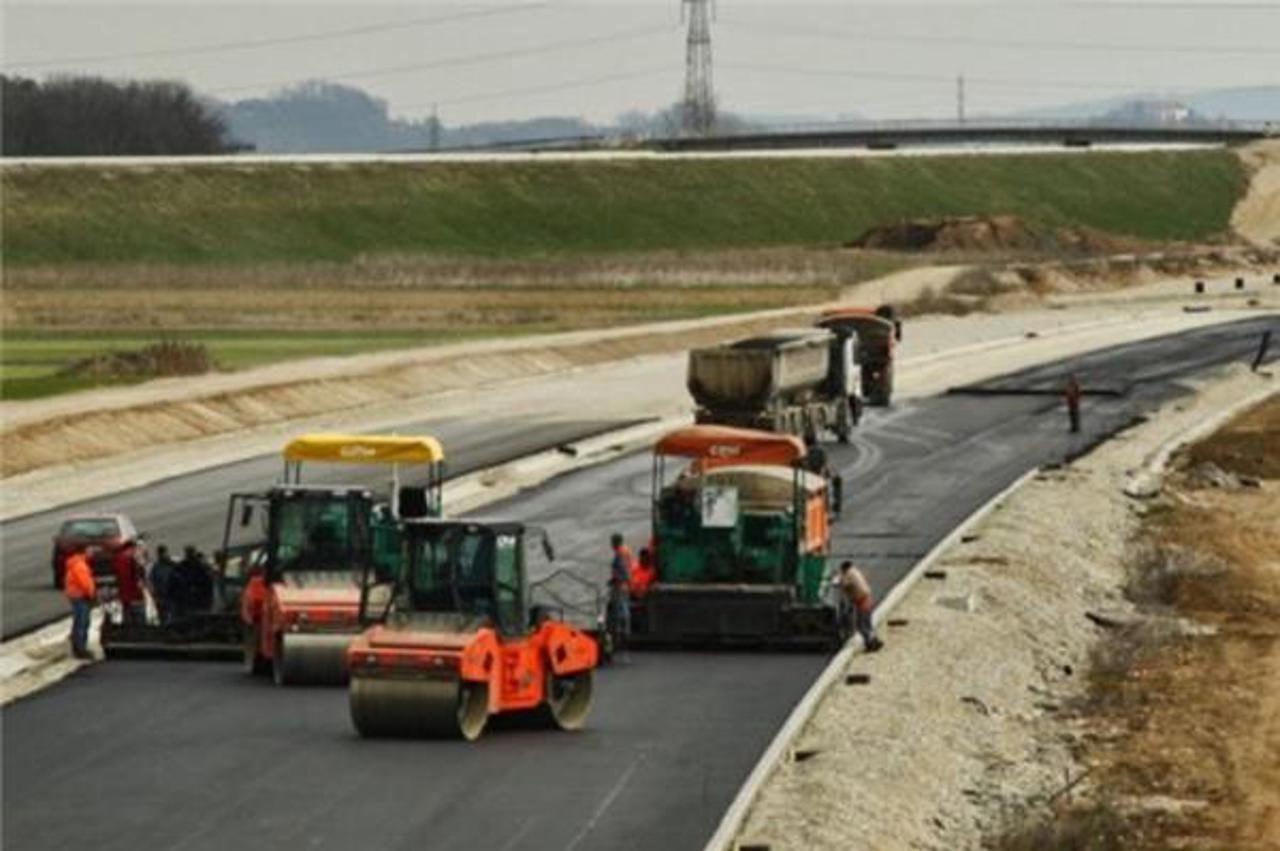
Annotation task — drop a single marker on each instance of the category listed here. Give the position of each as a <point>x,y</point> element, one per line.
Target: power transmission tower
<point>699,106</point>
<point>960,98</point>
<point>435,127</point>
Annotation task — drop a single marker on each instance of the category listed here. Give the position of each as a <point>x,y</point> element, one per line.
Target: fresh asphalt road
<point>192,509</point>
<point>195,756</point>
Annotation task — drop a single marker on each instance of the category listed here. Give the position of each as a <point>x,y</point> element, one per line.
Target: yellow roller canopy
<point>364,449</point>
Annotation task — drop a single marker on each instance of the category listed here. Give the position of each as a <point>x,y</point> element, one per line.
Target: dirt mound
<point>986,233</point>
<point>152,361</point>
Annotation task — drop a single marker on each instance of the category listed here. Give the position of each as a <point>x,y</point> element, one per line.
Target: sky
<point>511,59</point>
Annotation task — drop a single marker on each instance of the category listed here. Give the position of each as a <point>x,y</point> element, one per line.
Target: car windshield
<point>314,535</point>
<point>91,527</point>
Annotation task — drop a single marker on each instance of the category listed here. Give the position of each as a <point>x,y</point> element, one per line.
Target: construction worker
<point>161,581</point>
<point>1072,393</point>
<point>192,583</point>
<point>643,574</point>
<point>620,584</point>
<point>129,580</point>
<point>856,602</point>
<point>81,592</point>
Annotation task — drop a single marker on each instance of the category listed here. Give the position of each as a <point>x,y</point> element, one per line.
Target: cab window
<point>313,535</point>
<point>508,583</point>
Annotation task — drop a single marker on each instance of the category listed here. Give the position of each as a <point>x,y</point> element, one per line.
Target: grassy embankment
<point>269,262</point>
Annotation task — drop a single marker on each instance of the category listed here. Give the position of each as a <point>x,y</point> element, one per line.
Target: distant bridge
<point>925,138</point>
<point>890,136</point>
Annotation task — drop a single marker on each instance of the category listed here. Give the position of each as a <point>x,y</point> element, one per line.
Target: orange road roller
<point>455,640</point>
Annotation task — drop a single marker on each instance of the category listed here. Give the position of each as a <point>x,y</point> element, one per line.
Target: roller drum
<point>568,700</point>
<point>418,707</point>
<point>309,659</point>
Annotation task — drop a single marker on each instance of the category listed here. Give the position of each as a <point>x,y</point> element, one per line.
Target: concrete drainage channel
<point>40,658</point>
<point>782,747</point>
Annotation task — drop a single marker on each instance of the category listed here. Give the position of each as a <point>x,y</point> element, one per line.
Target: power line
<point>458,61</point>
<point>1090,46</point>
<point>551,87</point>
<point>326,35</point>
<point>894,76</point>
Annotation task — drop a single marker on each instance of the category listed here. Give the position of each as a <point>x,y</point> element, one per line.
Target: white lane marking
<point>606,803</point>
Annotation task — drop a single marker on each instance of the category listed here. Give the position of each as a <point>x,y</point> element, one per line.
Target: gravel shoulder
<point>959,730</point>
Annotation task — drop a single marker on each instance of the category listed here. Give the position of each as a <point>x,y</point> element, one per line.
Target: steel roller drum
<point>569,700</point>
<point>437,707</point>
<point>311,659</point>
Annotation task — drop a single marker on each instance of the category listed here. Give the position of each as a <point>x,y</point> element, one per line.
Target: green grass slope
<point>246,214</point>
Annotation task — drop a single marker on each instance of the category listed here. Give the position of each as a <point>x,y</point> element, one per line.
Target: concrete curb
<point>735,817</point>
<point>41,658</point>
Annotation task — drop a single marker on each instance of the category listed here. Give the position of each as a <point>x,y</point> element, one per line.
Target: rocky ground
<point>964,732</point>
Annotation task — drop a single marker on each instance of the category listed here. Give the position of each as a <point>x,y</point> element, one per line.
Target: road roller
<point>741,536</point>
<point>300,605</point>
<point>284,589</point>
<point>454,641</point>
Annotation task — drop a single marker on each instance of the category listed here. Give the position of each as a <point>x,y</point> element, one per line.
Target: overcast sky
<point>520,58</point>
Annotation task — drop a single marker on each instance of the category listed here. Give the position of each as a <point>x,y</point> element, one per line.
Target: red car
<point>107,532</point>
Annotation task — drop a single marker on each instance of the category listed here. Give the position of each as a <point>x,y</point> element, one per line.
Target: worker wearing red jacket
<point>81,591</point>
<point>129,578</point>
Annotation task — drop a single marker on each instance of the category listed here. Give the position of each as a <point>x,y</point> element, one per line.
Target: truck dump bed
<point>753,372</point>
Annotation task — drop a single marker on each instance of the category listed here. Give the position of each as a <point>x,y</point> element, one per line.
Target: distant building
<point>1152,113</point>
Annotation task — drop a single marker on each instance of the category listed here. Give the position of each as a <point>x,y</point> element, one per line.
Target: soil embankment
<point>1257,216</point>
<point>290,213</point>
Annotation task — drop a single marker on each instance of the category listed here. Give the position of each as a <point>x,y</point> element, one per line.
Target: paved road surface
<point>192,509</point>
<point>197,756</point>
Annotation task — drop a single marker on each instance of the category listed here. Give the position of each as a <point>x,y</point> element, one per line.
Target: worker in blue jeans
<point>81,591</point>
<point>620,586</point>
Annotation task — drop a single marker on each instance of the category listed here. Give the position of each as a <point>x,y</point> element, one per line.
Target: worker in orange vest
<point>81,592</point>
<point>1072,393</point>
<point>643,574</point>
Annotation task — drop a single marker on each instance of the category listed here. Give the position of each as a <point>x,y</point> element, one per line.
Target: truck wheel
<point>845,421</point>
<point>886,385</point>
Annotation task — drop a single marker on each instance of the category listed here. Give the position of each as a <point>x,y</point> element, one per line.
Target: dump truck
<point>873,334</point>
<point>285,583</point>
<point>742,536</point>
<point>454,640</point>
<point>790,381</point>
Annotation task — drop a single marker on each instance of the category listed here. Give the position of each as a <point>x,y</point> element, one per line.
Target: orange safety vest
<point>79,584</point>
<point>642,576</point>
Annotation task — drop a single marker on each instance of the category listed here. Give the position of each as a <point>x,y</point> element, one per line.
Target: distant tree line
<point>88,116</point>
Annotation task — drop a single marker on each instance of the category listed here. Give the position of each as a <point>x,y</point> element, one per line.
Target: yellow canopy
<point>364,449</point>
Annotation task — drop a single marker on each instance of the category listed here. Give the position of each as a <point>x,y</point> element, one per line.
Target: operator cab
<point>460,573</point>
<point>318,530</point>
